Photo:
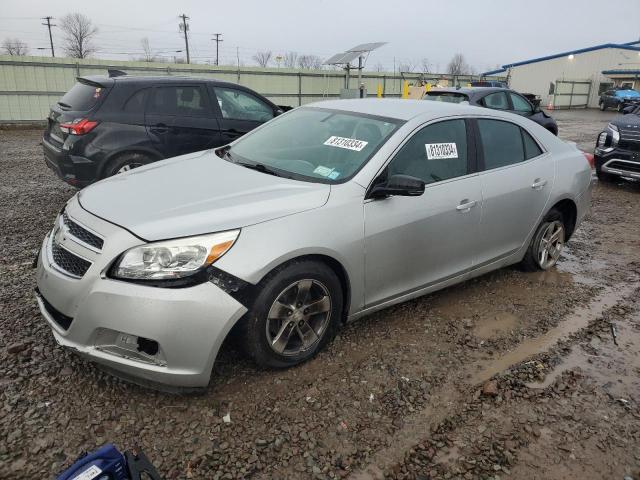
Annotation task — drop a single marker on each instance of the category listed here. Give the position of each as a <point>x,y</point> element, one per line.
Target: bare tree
<point>309,61</point>
<point>147,56</point>
<point>15,46</point>
<point>79,33</point>
<point>407,66</point>
<point>425,65</point>
<point>458,65</point>
<point>290,59</point>
<point>262,58</point>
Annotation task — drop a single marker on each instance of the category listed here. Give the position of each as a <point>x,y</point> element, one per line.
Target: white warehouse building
<point>573,79</point>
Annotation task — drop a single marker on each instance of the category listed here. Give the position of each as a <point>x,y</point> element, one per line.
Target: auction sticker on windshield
<point>439,151</point>
<point>348,143</point>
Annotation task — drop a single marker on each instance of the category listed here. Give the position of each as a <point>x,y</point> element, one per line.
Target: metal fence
<point>30,85</point>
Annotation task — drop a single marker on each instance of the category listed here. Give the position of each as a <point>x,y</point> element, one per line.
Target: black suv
<point>617,151</point>
<point>497,99</point>
<point>106,125</point>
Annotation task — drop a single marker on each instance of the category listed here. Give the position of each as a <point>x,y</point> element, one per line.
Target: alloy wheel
<point>128,166</point>
<point>299,317</point>
<point>551,244</point>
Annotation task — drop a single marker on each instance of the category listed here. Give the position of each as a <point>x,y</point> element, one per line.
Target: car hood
<point>196,194</point>
<point>625,121</point>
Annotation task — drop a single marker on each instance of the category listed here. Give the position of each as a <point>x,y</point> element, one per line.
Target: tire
<point>549,226</point>
<point>267,331</point>
<point>126,161</point>
<point>620,107</point>
<point>603,107</point>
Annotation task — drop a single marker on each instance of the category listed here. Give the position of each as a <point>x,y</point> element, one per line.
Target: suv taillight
<point>79,126</point>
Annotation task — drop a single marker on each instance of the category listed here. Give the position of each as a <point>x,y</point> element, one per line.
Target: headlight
<point>173,258</point>
<point>615,134</point>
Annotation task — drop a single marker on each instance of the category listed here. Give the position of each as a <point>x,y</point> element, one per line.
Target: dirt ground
<point>511,375</point>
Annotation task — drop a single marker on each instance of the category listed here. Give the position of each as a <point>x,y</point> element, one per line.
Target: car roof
<point>399,109</point>
<point>104,79</point>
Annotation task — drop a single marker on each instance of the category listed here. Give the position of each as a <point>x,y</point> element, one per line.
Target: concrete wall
<point>30,85</point>
<point>535,77</point>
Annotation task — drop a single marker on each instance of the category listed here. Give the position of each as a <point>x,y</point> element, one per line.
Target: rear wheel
<point>603,107</point>
<point>126,162</point>
<point>546,244</point>
<point>296,313</point>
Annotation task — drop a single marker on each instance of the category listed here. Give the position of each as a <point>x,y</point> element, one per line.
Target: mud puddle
<point>484,370</point>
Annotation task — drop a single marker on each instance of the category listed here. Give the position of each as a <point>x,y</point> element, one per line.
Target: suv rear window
<point>81,97</point>
<point>448,97</point>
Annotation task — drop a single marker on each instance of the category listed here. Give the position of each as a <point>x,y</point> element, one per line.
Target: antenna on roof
<point>115,73</point>
<point>344,60</point>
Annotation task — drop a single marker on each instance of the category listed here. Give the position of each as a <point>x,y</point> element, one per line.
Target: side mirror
<point>398,185</point>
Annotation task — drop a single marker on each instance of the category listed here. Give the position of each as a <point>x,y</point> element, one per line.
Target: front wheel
<point>603,107</point>
<point>546,244</point>
<point>297,311</point>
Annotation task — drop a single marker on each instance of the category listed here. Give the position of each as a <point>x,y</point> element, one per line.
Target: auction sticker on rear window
<point>348,143</point>
<point>439,151</point>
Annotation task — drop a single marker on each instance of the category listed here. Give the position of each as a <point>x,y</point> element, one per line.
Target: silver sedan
<point>325,214</point>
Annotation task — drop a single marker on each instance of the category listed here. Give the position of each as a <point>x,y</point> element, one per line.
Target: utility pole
<point>217,40</point>
<point>184,27</point>
<point>48,25</point>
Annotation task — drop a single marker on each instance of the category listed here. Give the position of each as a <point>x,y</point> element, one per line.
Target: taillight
<point>79,126</point>
<point>589,157</point>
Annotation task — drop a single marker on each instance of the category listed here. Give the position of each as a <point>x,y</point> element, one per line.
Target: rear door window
<point>501,143</point>
<point>82,97</point>
<point>497,101</point>
<point>187,100</point>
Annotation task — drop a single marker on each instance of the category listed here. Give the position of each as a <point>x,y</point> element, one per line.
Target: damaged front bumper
<point>156,335</point>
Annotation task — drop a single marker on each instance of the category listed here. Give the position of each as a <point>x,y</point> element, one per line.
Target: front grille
<point>629,167</point>
<point>59,317</point>
<point>82,233</point>
<point>69,262</point>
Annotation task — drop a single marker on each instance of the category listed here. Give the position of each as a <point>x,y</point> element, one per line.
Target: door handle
<point>538,184</point>
<point>466,205</point>
<point>160,128</point>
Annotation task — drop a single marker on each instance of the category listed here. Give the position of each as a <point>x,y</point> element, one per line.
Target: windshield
<point>627,93</point>
<point>449,97</point>
<point>314,144</point>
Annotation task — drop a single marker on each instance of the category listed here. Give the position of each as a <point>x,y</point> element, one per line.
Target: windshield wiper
<point>260,168</point>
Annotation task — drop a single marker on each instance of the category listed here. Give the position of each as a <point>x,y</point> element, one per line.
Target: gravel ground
<point>511,375</point>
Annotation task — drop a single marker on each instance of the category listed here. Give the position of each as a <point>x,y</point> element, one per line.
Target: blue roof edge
<point>623,46</point>
<point>621,72</point>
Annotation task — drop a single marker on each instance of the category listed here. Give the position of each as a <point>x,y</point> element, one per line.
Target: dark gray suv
<point>496,99</point>
<point>110,124</point>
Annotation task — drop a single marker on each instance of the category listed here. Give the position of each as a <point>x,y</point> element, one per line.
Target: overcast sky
<point>488,33</point>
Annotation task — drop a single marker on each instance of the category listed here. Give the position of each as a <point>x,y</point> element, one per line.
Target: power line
<point>48,25</point>
<point>184,27</point>
<point>217,40</point>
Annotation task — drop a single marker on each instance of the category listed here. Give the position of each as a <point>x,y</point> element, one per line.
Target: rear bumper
<point>75,170</point>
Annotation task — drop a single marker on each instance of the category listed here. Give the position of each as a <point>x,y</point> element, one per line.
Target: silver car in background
<point>325,214</point>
